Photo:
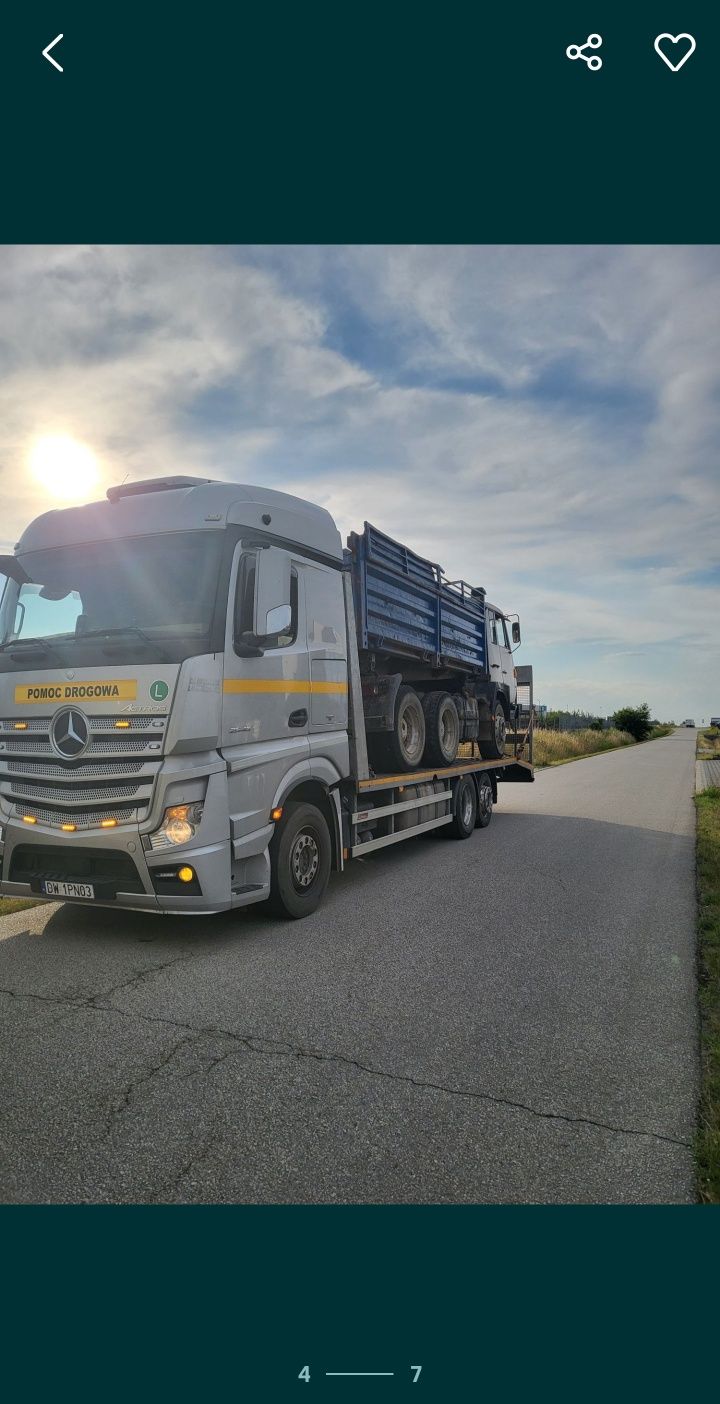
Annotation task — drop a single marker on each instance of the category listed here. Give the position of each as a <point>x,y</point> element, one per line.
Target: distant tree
<point>597,724</point>
<point>636,720</point>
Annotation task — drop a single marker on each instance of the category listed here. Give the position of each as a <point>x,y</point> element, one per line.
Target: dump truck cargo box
<point>405,605</point>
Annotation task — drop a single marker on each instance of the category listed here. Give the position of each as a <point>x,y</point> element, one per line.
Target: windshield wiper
<point>41,645</point>
<point>124,629</point>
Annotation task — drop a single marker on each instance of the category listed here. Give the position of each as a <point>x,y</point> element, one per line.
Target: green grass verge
<point>708,881</point>
<point>12,904</point>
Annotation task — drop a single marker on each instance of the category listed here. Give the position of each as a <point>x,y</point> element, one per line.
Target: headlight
<point>178,825</point>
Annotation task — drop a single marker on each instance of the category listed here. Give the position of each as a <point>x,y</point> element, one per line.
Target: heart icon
<point>668,39</point>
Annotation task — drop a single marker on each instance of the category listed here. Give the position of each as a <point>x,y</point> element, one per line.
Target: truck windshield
<point>141,593</point>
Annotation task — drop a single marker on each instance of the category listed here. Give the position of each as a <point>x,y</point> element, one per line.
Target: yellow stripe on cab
<point>281,685</point>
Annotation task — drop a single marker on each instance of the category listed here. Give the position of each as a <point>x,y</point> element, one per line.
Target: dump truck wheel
<point>493,746</point>
<point>442,728</point>
<point>300,857</point>
<point>402,748</point>
<point>484,801</point>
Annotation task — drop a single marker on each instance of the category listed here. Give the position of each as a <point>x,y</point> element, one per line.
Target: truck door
<point>266,683</point>
<point>507,669</point>
<point>500,659</point>
<point>493,650</point>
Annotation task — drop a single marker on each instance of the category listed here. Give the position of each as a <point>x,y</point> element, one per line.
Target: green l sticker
<point>159,690</point>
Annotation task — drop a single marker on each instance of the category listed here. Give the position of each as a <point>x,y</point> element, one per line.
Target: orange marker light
<point>186,874</point>
<point>29,819</point>
<point>21,726</point>
<point>276,814</point>
<point>108,823</point>
<point>122,725</point>
<point>68,828</point>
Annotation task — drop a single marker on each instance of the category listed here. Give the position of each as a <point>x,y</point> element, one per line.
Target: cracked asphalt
<point>510,1019</point>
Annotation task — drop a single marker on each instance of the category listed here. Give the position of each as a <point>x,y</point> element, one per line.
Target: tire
<point>402,748</point>
<point>300,858</point>
<point>442,728</point>
<point>484,801</point>
<point>493,747</point>
<point>464,809</point>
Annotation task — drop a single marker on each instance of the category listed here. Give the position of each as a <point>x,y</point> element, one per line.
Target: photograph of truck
<point>348,855</point>
<point>206,702</point>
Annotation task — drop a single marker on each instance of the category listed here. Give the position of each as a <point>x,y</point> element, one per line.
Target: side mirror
<point>516,632</point>
<point>272,592</point>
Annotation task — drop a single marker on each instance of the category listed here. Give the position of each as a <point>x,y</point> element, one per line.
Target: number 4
<point>305,1374</point>
<point>417,1369</point>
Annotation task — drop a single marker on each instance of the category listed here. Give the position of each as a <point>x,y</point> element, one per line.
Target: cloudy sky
<point>542,421</point>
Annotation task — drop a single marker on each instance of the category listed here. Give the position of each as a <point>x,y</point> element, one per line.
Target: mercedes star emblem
<point>70,732</point>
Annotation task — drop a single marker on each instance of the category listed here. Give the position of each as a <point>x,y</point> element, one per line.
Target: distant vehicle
<point>688,722</point>
<point>715,721</point>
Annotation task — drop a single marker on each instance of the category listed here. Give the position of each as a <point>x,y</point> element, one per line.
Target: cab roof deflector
<point>114,494</point>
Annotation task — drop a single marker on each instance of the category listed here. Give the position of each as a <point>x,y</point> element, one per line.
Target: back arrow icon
<point>48,56</point>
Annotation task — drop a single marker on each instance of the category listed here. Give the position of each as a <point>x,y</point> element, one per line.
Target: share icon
<point>577,51</point>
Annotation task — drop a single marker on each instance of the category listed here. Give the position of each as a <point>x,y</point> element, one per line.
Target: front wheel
<point>300,856</point>
<point>493,746</point>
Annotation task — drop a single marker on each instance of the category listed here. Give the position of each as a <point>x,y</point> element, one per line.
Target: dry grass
<point>708,742</point>
<point>15,904</point>
<point>554,747</point>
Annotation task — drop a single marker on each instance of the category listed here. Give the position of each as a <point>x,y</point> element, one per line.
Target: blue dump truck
<point>206,701</point>
<point>435,659</point>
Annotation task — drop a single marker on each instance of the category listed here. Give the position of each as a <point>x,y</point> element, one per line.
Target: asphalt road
<point>507,1019</point>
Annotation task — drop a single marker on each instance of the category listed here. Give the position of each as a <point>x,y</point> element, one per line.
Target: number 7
<point>417,1369</point>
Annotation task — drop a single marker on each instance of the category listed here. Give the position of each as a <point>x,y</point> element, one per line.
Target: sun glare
<point>66,468</point>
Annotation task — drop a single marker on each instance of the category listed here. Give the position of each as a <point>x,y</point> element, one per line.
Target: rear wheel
<point>464,809</point>
<point>484,801</point>
<point>300,856</point>
<point>402,748</point>
<point>442,728</point>
<point>493,747</point>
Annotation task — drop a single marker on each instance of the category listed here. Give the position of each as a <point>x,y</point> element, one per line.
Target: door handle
<point>298,718</point>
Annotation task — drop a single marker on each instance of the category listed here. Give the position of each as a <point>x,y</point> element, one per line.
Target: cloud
<point>543,421</point>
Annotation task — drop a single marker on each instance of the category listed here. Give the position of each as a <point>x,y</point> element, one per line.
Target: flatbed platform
<point>418,777</point>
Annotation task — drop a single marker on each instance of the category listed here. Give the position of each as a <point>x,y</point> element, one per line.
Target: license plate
<point>68,889</point>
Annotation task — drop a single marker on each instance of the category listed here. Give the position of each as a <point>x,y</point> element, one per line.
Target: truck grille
<point>76,793</point>
<point>37,783</point>
<point>60,772</point>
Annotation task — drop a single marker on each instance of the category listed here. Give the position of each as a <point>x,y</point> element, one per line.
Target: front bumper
<point>25,854</point>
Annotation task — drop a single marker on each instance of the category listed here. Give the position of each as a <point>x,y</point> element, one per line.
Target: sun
<point>66,468</point>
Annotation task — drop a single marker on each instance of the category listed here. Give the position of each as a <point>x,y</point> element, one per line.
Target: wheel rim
<point>304,860</point>
<point>412,738</point>
<point>466,807</point>
<point>485,800</point>
<point>500,729</point>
